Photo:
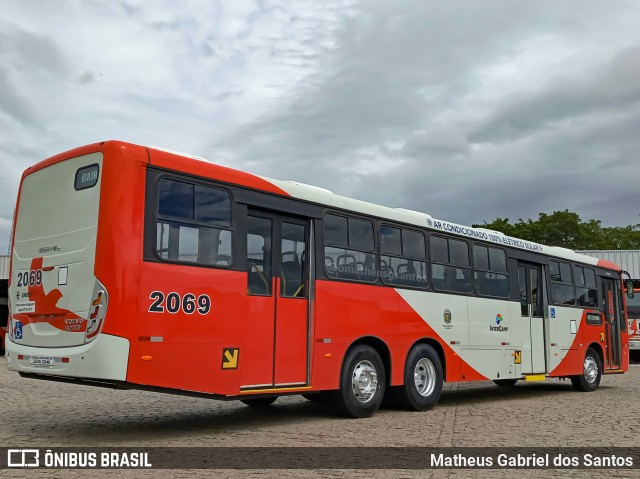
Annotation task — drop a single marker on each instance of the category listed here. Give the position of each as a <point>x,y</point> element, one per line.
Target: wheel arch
<point>380,347</point>
<point>598,349</point>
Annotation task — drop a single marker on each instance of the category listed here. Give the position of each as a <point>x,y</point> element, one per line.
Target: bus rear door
<point>531,305</point>
<point>278,297</point>
<point>614,322</point>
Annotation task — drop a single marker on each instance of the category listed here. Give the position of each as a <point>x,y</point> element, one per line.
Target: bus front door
<point>531,307</point>
<point>611,294</point>
<point>277,333</point>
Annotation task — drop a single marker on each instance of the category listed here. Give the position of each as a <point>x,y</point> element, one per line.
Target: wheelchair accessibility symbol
<point>17,330</point>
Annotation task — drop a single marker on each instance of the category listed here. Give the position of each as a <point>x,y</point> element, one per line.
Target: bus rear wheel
<point>362,383</point>
<point>589,380</point>
<point>423,379</point>
<point>259,402</point>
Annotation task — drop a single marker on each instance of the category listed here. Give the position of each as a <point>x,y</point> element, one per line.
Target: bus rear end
<point>57,304</point>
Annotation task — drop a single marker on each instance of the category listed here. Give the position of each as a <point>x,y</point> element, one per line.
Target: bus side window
<point>451,266</point>
<point>193,224</point>
<point>562,283</point>
<point>259,255</point>
<point>586,289</point>
<point>349,248</point>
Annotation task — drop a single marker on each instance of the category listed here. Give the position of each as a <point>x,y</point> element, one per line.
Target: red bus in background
<point>135,267</point>
<point>633,312</point>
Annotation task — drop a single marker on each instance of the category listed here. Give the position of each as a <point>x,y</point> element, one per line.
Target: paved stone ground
<point>46,414</point>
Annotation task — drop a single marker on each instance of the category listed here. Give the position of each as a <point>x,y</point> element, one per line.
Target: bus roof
<point>326,197</point>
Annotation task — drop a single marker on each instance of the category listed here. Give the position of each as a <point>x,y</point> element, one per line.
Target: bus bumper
<point>106,357</point>
<point>634,344</point>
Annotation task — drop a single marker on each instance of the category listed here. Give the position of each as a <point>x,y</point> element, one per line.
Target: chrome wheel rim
<point>364,381</point>
<point>590,370</point>
<point>424,377</point>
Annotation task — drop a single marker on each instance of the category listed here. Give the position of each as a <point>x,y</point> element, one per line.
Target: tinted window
<point>523,292</point>
<point>565,273</point>
<point>458,253</point>
<point>491,284</point>
<point>361,234</point>
<point>413,244</point>
<point>451,252</point>
<point>404,268</point>
<point>554,270</point>
<point>193,244</point>
<point>390,242</point>
<point>349,264</point>
<point>562,290</point>
<point>480,258</point>
<point>497,260</point>
<point>439,249</point>
<point>586,291</point>
<point>349,235</point>
<point>175,200</point>
<point>450,278</point>
<point>187,214</point>
<point>403,271</point>
<point>563,294</point>
<point>212,206</point>
<point>293,258</point>
<point>259,255</point>
<point>335,230</point>
<point>560,272</point>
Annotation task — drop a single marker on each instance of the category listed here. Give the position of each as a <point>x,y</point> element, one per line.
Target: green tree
<point>566,229</point>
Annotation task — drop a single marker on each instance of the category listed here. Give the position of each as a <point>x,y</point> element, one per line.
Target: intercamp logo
<point>23,458</point>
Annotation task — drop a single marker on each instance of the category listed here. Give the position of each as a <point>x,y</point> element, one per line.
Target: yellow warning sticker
<point>230,357</point>
<point>517,357</point>
<point>602,336</point>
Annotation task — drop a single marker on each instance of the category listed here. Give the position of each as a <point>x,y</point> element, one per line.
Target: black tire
<point>364,362</point>
<point>259,402</point>
<point>634,356</point>
<point>589,380</point>
<point>505,383</point>
<point>423,379</point>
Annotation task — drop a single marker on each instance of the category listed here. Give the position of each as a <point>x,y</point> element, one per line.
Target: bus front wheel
<point>589,380</point>
<point>362,383</point>
<point>423,379</point>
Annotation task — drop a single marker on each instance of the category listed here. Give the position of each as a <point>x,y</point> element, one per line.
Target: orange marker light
<point>147,358</point>
<point>96,301</point>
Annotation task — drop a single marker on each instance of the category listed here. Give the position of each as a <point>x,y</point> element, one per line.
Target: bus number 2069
<point>173,303</point>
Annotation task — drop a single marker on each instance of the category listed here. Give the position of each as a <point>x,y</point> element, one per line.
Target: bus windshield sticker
<point>87,177</point>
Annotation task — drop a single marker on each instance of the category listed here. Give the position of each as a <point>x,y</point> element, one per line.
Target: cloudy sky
<point>466,110</point>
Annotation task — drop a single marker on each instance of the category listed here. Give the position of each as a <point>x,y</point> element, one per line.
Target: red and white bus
<point>633,319</point>
<point>135,267</point>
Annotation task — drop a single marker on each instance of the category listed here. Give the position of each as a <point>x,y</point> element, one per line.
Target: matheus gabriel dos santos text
<point>531,460</point>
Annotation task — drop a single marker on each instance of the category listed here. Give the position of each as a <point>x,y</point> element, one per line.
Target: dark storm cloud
<point>613,87</point>
<point>384,117</point>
